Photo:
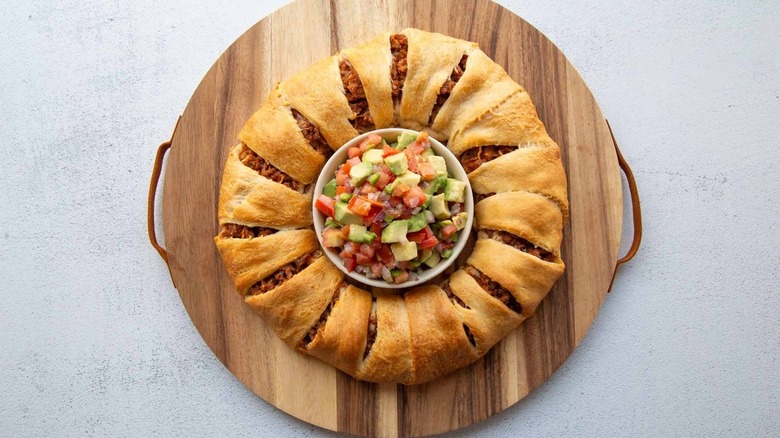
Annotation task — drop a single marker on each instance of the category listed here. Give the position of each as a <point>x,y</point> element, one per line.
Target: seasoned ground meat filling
<point>399,46</point>
<point>320,325</point>
<point>284,273</point>
<point>480,196</point>
<point>372,326</point>
<point>266,169</point>
<point>356,96</point>
<point>454,298</point>
<point>519,243</point>
<point>494,289</point>
<point>475,157</point>
<point>469,335</point>
<point>447,88</point>
<point>312,134</point>
<point>235,231</point>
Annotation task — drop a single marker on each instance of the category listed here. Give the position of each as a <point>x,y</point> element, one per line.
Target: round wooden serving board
<point>288,41</point>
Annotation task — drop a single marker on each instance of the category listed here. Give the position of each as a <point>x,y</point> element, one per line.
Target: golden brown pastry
<point>419,80</point>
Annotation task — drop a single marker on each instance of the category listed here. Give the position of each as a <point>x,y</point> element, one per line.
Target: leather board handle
<point>636,210</point>
<point>156,172</point>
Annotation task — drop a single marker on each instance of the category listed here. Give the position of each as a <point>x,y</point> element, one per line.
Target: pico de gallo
<point>392,210</point>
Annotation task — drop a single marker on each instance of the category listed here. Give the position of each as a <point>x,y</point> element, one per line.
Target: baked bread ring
<point>417,80</point>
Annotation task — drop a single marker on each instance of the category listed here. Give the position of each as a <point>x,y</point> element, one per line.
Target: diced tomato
<point>423,139</point>
<point>400,189</point>
<point>385,254</point>
<point>352,248</point>
<point>427,171</point>
<point>414,197</point>
<point>353,152</point>
<point>428,243</point>
<point>371,217</point>
<point>368,188</point>
<point>387,151</point>
<point>341,178</point>
<point>406,214</point>
<point>376,269</point>
<point>448,231</point>
<point>340,190</point>
<point>331,238</point>
<point>367,250</point>
<point>417,236</point>
<point>350,263</point>
<point>354,161</point>
<point>413,161</point>
<point>363,259</point>
<point>383,180</point>
<point>400,278</point>
<point>376,228</point>
<point>325,205</point>
<point>369,142</point>
<point>384,169</point>
<point>359,205</point>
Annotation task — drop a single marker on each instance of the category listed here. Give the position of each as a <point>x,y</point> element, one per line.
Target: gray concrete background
<point>94,340</point>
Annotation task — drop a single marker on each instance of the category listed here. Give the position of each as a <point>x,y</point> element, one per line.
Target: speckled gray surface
<point>96,342</point>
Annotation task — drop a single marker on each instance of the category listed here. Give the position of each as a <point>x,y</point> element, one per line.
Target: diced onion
<point>386,275</point>
<point>412,276</point>
<point>416,210</point>
<point>429,217</point>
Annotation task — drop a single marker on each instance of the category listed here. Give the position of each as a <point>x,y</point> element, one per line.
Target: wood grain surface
<point>290,40</point>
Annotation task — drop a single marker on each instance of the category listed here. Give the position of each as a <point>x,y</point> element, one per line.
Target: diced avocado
<point>417,222</point>
<point>395,231</point>
<point>444,223</point>
<point>394,145</point>
<point>446,253</point>
<point>427,153</point>
<point>332,238</point>
<point>361,172</point>
<point>373,156</point>
<point>433,260</point>
<point>455,190</point>
<point>373,179</point>
<point>345,216</point>
<point>438,207</point>
<point>330,188</point>
<point>424,254</point>
<point>437,185</point>
<point>397,163</point>
<point>404,252</point>
<point>360,234</point>
<point>345,197</point>
<point>331,223</point>
<point>439,165</point>
<point>460,220</point>
<point>410,179</point>
<point>405,139</point>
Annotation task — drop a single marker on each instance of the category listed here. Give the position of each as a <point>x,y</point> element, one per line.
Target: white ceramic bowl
<point>455,170</point>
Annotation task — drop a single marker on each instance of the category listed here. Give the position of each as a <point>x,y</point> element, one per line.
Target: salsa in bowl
<point>393,208</point>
